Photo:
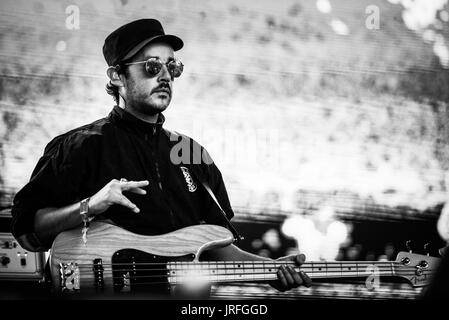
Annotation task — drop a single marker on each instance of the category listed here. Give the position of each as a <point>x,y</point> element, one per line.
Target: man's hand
<point>290,278</point>
<point>112,194</point>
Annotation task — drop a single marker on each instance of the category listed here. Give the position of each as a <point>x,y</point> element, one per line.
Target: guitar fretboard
<point>216,271</point>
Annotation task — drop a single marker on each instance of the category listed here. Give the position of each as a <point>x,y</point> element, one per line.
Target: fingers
<point>293,278</point>
<point>306,279</point>
<point>138,191</point>
<point>290,278</point>
<point>112,193</point>
<point>283,280</point>
<point>131,186</point>
<point>124,201</point>
<point>297,278</point>
<point>300,259</point>
<point>128,185</point>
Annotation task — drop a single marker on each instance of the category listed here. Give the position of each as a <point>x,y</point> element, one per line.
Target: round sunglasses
<point>154,65</point>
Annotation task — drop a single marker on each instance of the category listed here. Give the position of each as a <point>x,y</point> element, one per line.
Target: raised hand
<point>112,193</point>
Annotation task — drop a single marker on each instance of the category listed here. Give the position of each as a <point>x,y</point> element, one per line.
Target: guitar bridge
<point>70,277</point>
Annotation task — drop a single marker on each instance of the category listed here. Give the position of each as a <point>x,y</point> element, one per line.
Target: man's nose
<point>164,74</point>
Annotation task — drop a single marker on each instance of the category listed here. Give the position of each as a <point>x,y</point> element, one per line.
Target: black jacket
<point>77,164</point>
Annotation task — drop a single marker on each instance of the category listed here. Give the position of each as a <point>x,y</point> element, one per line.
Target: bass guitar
<point>115,260</point>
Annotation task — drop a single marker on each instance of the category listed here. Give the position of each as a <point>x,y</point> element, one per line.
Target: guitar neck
<point>117,259</point>
<point>249,271</point>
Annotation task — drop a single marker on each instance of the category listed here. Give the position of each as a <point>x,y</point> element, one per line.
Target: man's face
<point>146,94</point>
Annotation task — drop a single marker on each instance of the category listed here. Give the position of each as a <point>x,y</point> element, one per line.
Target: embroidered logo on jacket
<point>190,184</point>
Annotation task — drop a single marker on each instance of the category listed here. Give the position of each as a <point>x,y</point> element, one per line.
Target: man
<point>121,167</point>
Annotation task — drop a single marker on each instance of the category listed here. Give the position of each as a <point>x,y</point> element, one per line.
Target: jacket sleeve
<point>55,182</point>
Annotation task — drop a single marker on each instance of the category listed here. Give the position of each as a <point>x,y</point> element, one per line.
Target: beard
<point>149,103</point>
<point>152,106</point>
<point>147,97</point>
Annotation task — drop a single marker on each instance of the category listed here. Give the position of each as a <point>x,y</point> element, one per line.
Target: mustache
<point>164,87</point>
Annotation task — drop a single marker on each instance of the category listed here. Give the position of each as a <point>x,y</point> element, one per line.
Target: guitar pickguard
<point>136,271</point>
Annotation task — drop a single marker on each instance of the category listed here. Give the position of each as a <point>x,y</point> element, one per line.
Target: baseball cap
<point>127,40</point>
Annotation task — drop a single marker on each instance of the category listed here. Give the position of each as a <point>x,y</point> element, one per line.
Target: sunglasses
<point>154,65</point>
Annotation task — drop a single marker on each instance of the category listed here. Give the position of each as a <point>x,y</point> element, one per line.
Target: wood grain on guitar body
<point>118,261</point>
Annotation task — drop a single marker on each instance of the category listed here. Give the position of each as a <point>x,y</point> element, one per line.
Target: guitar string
<point>250,266</point>
<point>214,272</point>
<point>163,276</point>
<point>242,266</point>
<point>228,267</point>
<point>194,266</point>
<point>86,268</point>
<point>205,263</point>
<point>138,274</point>
<point>183,281</point>
<point>243,269</point>
<point>247,274</point>
<point>92,279</point>
<point>166,282</point>
<point>215,280</point>
<point>259,262</point>
<point>254,271</point>
<point>268,265</point>
<point>385,272</point>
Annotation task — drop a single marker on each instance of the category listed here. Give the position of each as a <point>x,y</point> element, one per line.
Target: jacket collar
<point>128,120</point>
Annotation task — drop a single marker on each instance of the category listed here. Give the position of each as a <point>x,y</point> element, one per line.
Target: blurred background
<point>329,120</point>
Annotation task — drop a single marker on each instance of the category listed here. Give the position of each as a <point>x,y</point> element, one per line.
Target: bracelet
<point>84,213</point>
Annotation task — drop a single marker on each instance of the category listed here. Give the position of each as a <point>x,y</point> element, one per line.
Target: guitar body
<point>113,259</point>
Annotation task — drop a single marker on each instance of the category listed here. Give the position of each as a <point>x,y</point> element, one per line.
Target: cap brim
<point>175,42</point>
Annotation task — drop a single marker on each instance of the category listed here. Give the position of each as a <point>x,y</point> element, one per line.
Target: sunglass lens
<point>176,68</point>
<point>153,67</point>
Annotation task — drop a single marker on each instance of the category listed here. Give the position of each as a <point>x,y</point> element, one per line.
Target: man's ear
<point>114,77</point>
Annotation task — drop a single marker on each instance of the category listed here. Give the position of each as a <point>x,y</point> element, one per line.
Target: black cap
<point>127,40</point>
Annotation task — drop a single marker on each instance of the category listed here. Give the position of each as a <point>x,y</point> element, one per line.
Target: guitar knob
<point>423,264</point>
<point>5,260</point>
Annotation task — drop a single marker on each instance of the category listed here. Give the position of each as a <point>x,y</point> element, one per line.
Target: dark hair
<point>113,89</point>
